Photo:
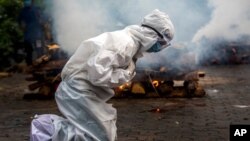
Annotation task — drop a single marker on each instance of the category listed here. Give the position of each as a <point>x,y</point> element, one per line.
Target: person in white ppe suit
<point>98,65</point>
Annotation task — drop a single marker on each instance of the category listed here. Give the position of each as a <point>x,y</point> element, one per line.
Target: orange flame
<point>124,86</point>
<point>155,83</point>
<point>158,110</point>
<point>121,87</point>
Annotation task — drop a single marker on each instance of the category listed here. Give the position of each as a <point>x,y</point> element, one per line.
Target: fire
<point>155,83</point>
<point>127,84</point>
<point>158,110</point>
<point>121,87</point>
<point>124,86</point>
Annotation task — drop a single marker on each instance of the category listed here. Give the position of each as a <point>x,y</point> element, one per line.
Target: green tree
<point>10,32</point>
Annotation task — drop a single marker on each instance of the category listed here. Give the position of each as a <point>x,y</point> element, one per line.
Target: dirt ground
<point>227,101</point>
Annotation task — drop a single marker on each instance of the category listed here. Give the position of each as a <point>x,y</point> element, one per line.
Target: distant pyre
<point>224,52</point>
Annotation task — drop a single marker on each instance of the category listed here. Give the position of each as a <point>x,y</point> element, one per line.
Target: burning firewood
<point>138,88</point>
<point>165,88</point>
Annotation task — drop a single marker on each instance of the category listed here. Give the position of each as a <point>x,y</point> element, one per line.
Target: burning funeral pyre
<point>162,84</point>
<point>152,79</point>
<point>170,74</point>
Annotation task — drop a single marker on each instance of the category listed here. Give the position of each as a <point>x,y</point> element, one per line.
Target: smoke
<point>194,20</point>
<point>78,20</point>
<point>228,28</point>
<point>230,21</point>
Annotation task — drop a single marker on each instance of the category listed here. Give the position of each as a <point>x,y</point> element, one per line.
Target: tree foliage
<point>10,32</point>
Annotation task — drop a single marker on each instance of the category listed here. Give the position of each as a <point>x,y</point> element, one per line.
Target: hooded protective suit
<point>98,65</point>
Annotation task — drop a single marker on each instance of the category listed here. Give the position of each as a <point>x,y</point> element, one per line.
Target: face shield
<point>163,41</point>
<point>158,46</point>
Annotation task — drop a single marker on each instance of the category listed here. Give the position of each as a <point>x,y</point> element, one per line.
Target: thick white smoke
<point>230,21</point>
<point>194,20</point>
<point>77,20</point>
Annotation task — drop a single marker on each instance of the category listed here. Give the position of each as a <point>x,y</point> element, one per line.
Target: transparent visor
<point>164,42</point>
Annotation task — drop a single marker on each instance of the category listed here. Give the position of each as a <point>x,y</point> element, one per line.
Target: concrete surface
<point>179,119</point>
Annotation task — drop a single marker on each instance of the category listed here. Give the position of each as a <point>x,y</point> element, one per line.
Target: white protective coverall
<point>98,65</point>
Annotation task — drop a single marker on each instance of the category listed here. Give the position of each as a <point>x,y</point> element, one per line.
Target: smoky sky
<point>78,20</point>
<point>194,20</point>
<point>230,20</point>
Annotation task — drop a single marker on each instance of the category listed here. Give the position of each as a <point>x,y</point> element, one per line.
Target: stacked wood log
<point>45,72</point>
<point>144,85</point>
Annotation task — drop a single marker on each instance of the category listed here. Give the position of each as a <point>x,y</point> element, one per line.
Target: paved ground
<point>198,119</point>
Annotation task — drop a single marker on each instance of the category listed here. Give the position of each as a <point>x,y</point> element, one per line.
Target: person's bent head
<point>160,23</point>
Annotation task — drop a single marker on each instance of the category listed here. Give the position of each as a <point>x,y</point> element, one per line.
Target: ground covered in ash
<point>147,119</point>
